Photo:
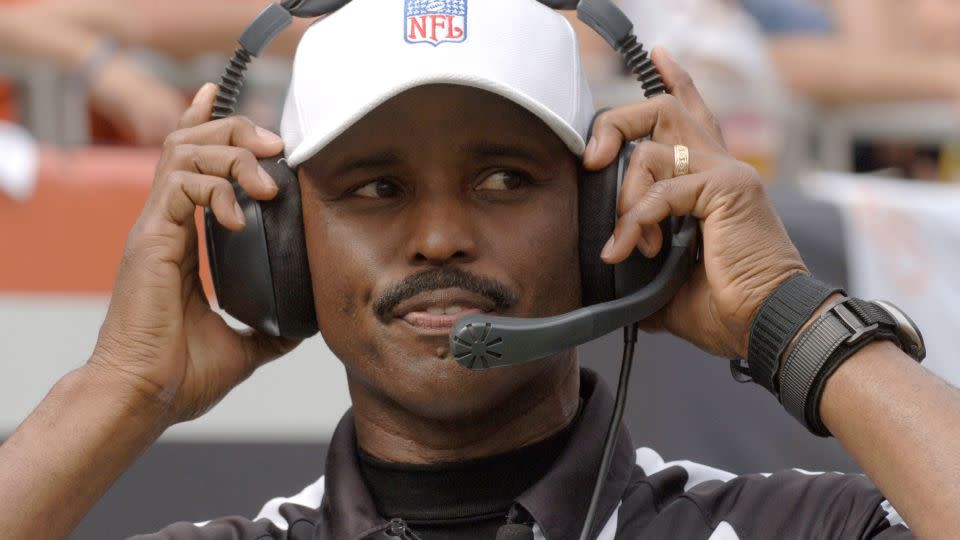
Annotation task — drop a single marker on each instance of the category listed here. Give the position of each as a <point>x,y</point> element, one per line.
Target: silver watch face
<point>907,331</point>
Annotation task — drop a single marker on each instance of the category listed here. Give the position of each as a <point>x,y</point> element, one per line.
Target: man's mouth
<point>438,310</point>
<point>436,318</point>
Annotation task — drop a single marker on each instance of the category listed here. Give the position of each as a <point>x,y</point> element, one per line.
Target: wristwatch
<point>843,329</point>
<point>849,324</point>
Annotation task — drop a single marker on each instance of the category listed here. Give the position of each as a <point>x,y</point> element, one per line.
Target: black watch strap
<point>778,321</point>
<point>841,331</point>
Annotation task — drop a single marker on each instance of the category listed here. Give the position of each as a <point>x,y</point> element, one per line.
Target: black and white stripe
<point>695,482</point>
<point>644,497</point>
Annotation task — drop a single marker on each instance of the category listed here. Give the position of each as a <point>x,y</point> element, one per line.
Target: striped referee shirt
<point>644,497</point>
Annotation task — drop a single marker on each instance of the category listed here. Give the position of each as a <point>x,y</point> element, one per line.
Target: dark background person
<point>164,356</point>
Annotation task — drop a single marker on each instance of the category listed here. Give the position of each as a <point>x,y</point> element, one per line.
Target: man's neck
<point>540,409</point>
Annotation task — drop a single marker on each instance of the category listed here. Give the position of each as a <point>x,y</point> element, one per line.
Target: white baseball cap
<point>369,51</point>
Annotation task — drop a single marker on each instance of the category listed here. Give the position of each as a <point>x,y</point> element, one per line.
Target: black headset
<point>262,277</point>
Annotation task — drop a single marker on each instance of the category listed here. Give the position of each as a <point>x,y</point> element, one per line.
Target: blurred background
<point>849,108</point>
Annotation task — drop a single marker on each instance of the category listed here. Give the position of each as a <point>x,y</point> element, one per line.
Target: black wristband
<point>777,322</point>
<point>835,336</point>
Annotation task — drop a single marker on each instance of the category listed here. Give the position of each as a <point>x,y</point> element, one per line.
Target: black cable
<point>629,341</point>
<point>641,65</point>
<point>230,83</point>
<point>254,40</point>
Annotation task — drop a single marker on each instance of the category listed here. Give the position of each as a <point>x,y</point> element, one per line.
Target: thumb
<point>260,348</point>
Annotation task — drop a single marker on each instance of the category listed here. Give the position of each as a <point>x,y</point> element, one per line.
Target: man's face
<point>443,198</point>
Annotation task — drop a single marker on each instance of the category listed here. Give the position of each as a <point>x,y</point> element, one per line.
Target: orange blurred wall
<point>69,237</point>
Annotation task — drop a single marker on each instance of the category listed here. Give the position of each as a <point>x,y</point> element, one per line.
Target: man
<point>434,187</point>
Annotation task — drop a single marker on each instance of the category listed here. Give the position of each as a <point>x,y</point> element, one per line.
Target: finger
<point>681,85</point>
<point>697,194</point>
<point>232,131</point>
<point>202,107</point>
<point>227,162</point>
<point>611,128</point>
<point>650,163</point>
<point>647,165</point>
<point>661,117</point>
<point>645,168</point>
<point>651,240</point>
<point>662,200</point>
<point>187,190</point>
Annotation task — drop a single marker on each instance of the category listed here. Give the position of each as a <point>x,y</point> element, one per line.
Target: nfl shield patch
<point>435,21</point>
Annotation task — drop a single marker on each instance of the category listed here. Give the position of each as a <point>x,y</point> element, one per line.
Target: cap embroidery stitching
<point>435,21</point>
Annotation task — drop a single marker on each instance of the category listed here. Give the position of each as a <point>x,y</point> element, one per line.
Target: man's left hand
<point>746,251</point>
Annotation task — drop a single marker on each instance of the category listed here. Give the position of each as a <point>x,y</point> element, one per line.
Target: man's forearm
<point>180,28</point>
<point>67,453</point>
<point>877,23</point>
<point>25,34</point>
<point>902,425</point>
<point>832,70</point>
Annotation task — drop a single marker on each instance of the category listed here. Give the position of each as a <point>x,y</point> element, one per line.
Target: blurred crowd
<point>798,85</point>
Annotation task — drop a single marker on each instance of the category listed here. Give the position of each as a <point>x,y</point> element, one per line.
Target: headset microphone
<point>479,342</point>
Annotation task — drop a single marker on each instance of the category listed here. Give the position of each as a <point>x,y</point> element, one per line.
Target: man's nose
<point>441,231</point>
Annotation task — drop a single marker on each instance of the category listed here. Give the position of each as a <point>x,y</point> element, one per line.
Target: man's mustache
<point>444,277</point>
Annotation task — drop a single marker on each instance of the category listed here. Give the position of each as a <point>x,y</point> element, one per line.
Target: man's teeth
<point>444,311</point>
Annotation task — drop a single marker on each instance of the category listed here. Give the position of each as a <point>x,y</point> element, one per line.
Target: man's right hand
<point>161,340</point>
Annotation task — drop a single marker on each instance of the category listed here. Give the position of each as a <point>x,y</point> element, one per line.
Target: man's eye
<point>503,181</point>
<point>378,189</point>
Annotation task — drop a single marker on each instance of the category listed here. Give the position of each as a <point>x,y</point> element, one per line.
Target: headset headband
<point>603,16</point>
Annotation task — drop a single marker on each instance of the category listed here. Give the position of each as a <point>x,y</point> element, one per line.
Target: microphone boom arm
<point>480,342</point>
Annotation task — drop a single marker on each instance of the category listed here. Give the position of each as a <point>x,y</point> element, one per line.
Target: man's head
<point>436,178</point>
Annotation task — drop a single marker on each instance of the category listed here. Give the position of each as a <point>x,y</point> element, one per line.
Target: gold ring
<point>681,160</point>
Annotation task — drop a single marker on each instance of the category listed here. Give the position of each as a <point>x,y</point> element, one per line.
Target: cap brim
<point>310,145</point>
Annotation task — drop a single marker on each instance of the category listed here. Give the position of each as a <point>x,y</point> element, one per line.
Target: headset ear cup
<point>260,274</point>
<point>287,249</point>
<point>597,217</point>
<point>598,196</point>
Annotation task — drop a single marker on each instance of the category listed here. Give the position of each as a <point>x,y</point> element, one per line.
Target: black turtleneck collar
<point>557,501</point>
<point>462,490</point>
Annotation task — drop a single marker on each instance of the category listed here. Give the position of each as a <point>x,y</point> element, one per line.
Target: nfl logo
<point>435,21</point>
